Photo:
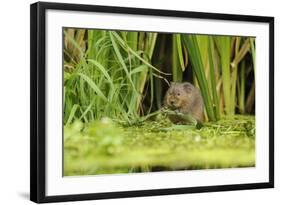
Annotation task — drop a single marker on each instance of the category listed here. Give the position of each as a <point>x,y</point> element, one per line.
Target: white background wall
<point>14,100</point>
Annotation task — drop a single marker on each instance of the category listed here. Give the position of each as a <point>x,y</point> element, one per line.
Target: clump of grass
<point>110,76</point>
<point>123,75</point>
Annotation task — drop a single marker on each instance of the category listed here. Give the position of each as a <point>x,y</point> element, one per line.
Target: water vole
<point>186,99</point>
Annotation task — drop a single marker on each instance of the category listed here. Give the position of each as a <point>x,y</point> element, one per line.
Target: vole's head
<point>179,95</point>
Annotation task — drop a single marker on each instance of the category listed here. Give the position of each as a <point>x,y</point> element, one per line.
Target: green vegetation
<point>109,77</point>
<point>103,147</point>
<point>114,85</point>
<point>218,63</point>
<point>122,74</point>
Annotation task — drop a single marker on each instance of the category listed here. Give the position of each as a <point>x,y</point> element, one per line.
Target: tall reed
<point>123,74</point>
<point>218,63</point>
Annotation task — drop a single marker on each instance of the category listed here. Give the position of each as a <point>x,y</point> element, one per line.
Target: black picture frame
<point>38,101</point>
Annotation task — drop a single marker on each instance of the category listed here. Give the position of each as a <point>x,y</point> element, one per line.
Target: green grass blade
<point>212,77</point>
<point>120,58</point>
<point>198,69</point>
<point>72,114</point>
<point>103,70</point>
<point>176,69</point>
<point>93,85</point>
<point>122,43</point>
<point>139,69</point>
<point>180,51</point>
<point>86,111</point>
<point>152,42</point>
<point>224,43</point>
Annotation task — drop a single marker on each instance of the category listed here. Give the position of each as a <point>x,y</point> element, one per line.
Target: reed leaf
<point>241,89</point>
<point>198,69</point>
<point>213,77</point>
<point>224,43</point>
<point>176,68</point>
<point>253,51</point>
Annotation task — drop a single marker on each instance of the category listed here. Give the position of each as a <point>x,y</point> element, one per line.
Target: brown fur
<point>186,99</point>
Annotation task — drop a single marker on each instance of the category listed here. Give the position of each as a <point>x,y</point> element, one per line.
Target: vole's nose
<point>172,102</point>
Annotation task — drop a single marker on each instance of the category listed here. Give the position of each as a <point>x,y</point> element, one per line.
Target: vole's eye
<point>178,94</point>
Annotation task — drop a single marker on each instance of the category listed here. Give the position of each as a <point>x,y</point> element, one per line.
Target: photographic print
<point>137,101</point>
<point>129,102</point>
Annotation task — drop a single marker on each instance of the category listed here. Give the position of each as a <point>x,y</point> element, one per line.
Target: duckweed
<point>106,147</point>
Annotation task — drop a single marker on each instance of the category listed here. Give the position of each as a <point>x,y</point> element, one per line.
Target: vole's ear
<point>188,87</point>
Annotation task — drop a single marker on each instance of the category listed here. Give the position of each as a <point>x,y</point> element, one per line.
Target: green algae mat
<point>106,147</point>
